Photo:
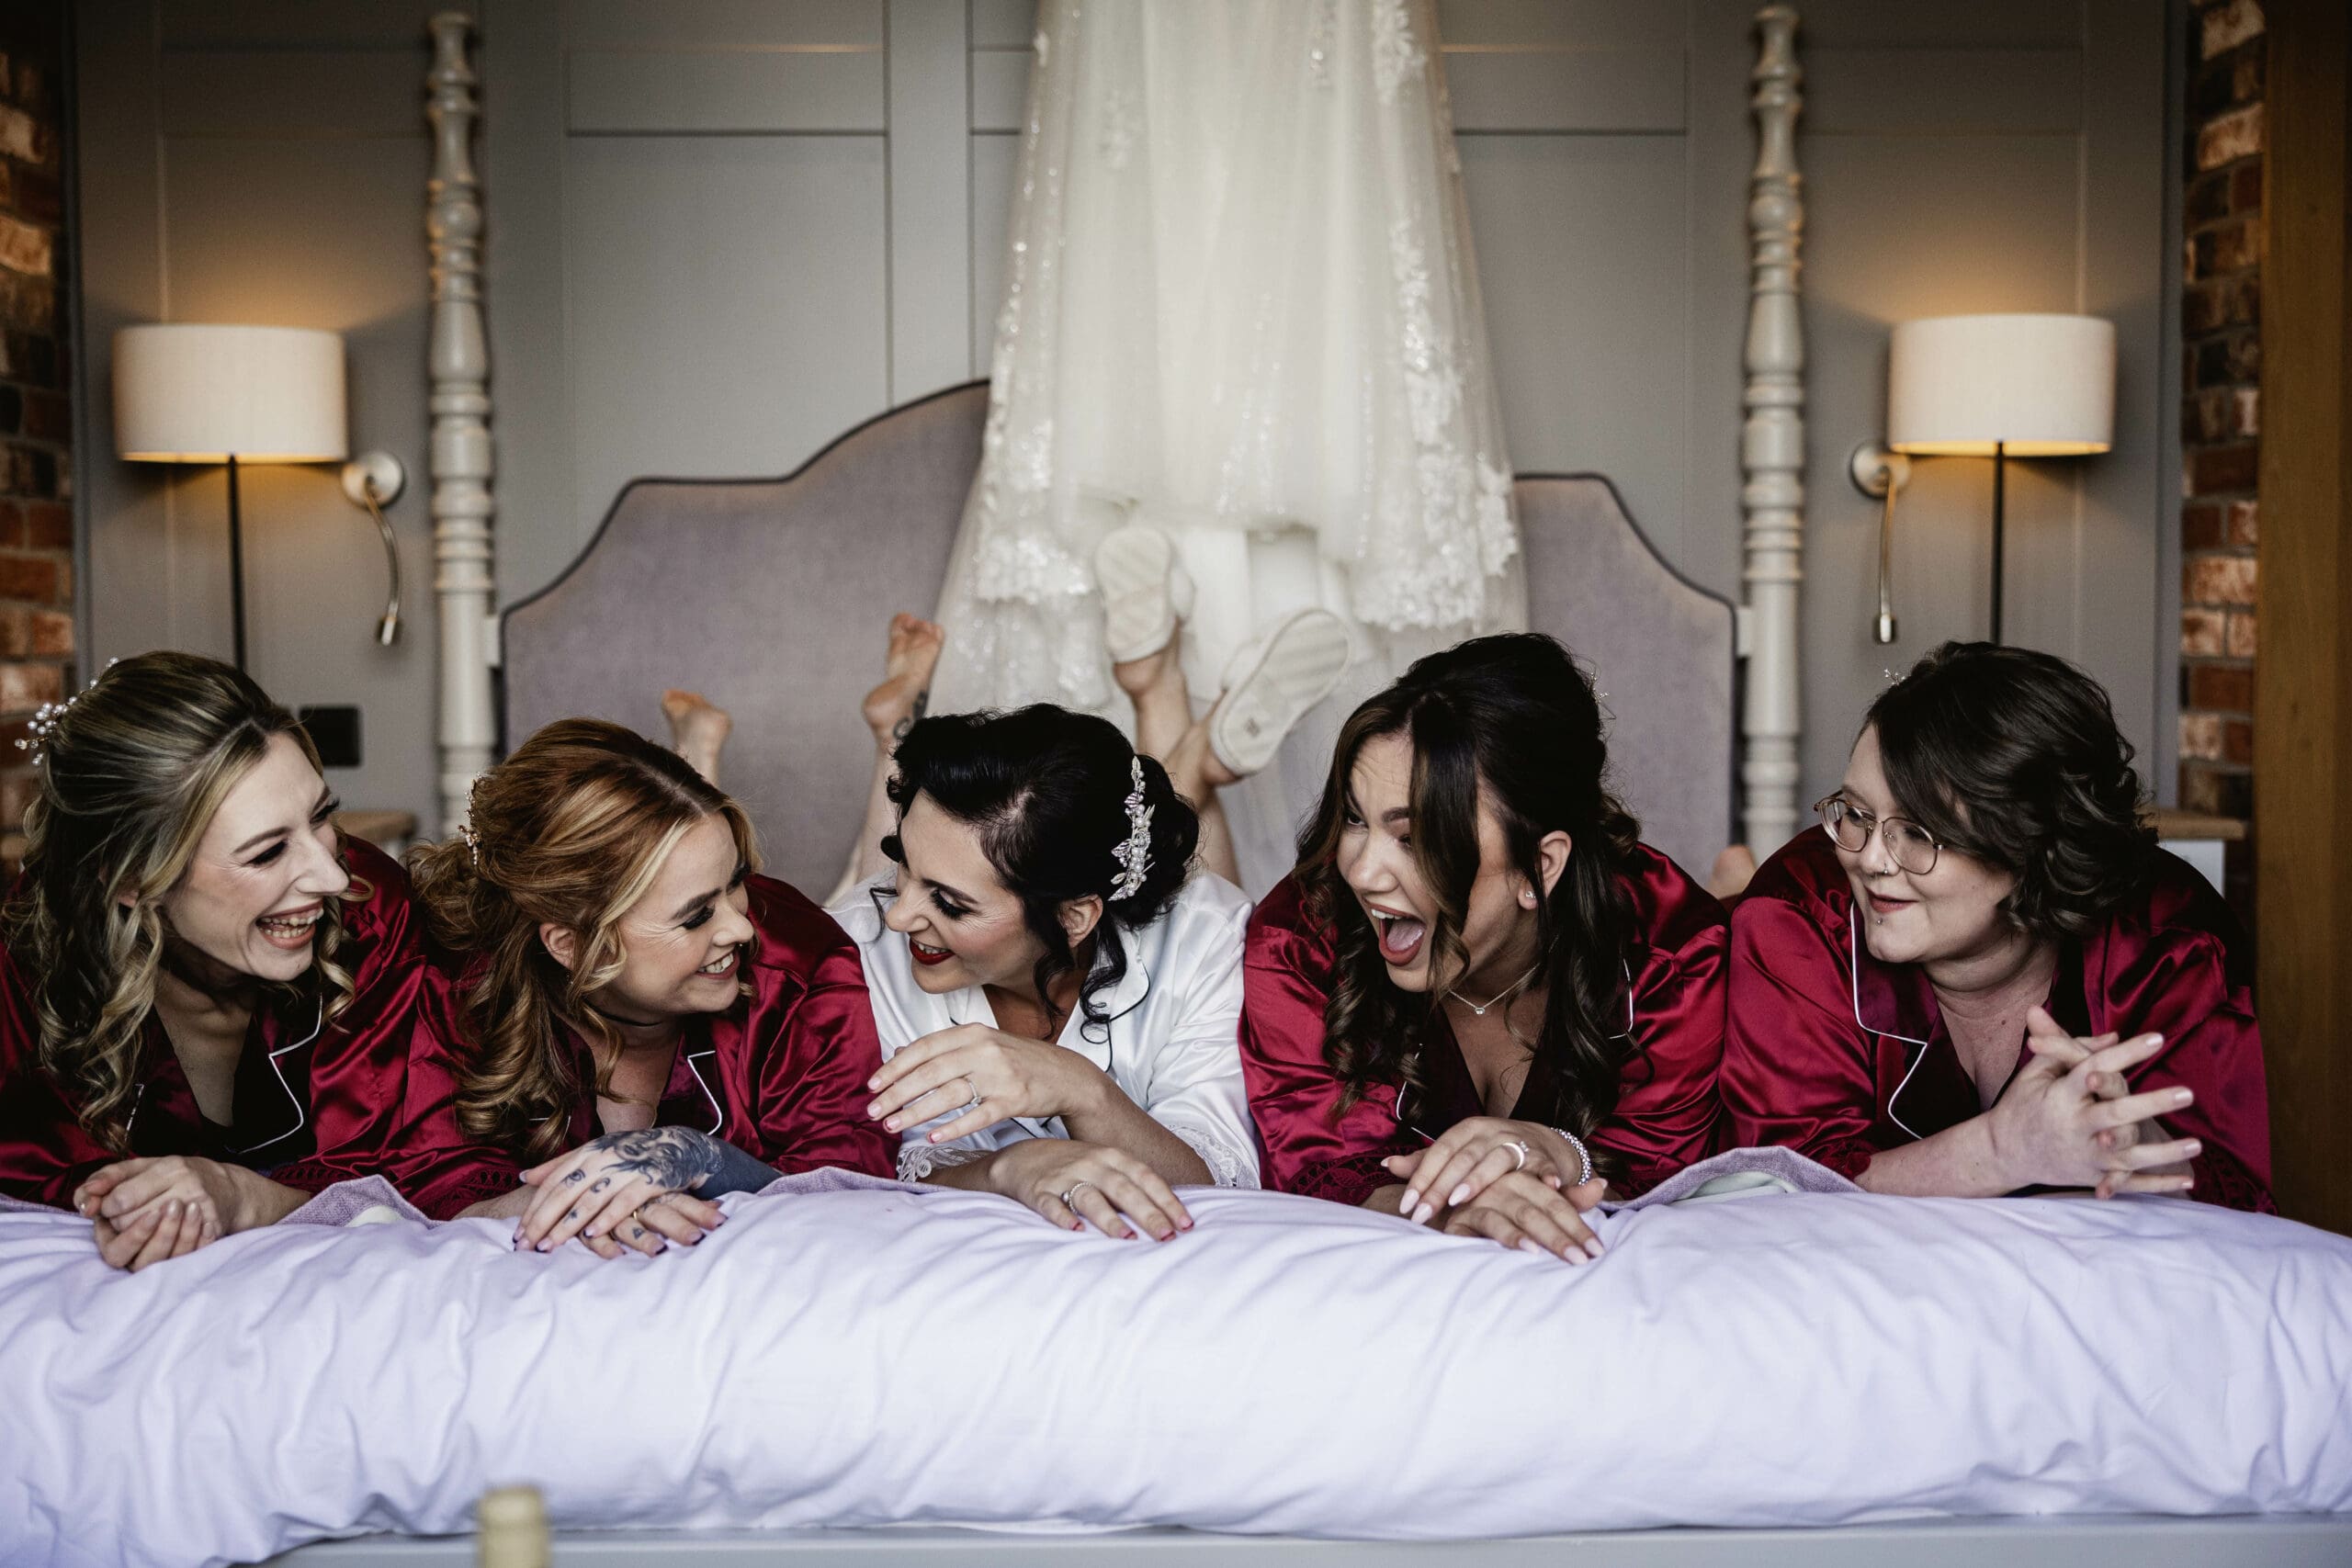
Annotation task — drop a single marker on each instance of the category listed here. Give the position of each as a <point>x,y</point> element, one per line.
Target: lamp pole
<point>237,566</point>
<point>2000,470</point>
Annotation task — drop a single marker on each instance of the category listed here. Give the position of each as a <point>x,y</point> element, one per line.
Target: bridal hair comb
<point>1135,855</point>
<point>45,720</point>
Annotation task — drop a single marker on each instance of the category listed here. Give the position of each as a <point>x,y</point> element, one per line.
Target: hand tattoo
<point>675,1157</point>
<point>683,1160</point>
<point>576,1176</point>
<point>602,1182</point>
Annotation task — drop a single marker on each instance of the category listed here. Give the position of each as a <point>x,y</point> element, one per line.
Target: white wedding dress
<point>1239,305</point>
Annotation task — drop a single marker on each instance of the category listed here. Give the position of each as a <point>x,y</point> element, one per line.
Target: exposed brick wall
<point>2220,403</point>
<point>36,423</point>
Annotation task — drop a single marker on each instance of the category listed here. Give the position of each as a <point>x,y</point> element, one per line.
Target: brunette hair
<point>1047,790</point>
<point>131,774</point>
<point>570,830</point>
<point>2013,757</point>
<point>1512,721</point>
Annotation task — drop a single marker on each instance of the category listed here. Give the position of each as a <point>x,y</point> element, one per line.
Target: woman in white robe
<point>1057,988</point>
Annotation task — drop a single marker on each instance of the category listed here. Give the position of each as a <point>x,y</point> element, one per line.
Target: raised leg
<point>890,709</point>
<point>699,730</point>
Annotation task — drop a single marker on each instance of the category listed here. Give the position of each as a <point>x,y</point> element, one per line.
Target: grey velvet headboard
<point>771,597</point>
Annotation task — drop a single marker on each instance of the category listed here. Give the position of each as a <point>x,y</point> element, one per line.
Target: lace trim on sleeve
<point>917,1161</point>
<point>1229,1167</point>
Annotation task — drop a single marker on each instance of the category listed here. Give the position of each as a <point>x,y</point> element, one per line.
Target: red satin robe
<point>318,1100</point>
<point>1838,1055</point>
<point>1666,1114</point>
<point>782,1075</point>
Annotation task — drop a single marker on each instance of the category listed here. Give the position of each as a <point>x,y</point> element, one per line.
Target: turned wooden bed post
<point>1771,451</point>
<point>461,506</point>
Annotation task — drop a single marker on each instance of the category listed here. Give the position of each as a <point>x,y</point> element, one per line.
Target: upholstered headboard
<point>1662,652</point>
<point>771,596</point>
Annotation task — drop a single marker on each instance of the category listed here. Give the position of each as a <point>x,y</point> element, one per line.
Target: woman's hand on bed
<point>990,1075</point>
<point>1106,1187</point>
<point>2062,1122</point>
<point>605,1192</point>
<point>1476,1152</point>
<point>145,1209</point>
<point>1522,1210</point>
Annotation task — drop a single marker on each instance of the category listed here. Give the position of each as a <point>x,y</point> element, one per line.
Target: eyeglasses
<point>1849,828</point>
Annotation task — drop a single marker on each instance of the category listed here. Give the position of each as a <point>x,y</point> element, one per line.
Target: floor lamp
<point>188,393</point>
<point>2000,386</point>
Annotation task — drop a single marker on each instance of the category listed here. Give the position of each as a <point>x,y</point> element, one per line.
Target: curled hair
<point>1047,789</point>
<point>1512,722</point>
<point>572,830</point>
<point>130,776</point>
<point>2013,757</point>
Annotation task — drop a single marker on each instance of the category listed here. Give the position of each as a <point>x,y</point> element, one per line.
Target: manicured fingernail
<point>1592,1249</point>
<point>1459,1193</point>
<point>1573,1258</point>
<point>930,1137</point>
<point>1077,1224</point>
<point>2182,1095</point>
<point>1421,1216</point>
<point>874,1082</point>
<point>592,1233</point>
<point>873,1110</point>
<point>1412,1196</point>
<point>2192,1148</point>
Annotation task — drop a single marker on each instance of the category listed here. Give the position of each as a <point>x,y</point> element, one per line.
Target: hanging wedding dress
<point>1241,305</point>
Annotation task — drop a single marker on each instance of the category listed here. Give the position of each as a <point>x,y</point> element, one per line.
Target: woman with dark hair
<point>1056,986</point>
<point>207,993</point>
<point>1932,995</point>
<point>1479,988</point>
<point>637,1014</point>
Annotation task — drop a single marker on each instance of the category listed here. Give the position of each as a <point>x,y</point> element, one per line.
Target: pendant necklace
<point>1502,996</point>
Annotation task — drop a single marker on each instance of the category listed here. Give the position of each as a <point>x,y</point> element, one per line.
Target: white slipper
<point>1272,682</point>
<point>1146,591</point>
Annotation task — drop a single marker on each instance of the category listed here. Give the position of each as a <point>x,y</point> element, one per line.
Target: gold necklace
<point>1504,995</point>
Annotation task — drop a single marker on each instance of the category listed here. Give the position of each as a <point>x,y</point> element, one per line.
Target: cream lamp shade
<point>2034,385</point>
<point>191,393</point>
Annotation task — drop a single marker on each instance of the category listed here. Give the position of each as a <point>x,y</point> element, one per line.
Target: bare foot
<point>1192,766</point>
<point>699,730</point>
<point>1733,870</point>
<point>899,700</point>
<point>1138,676</point>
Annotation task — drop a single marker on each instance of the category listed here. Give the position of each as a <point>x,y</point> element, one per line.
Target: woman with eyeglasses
<point>1982,976</point>
<point>1480,996</point>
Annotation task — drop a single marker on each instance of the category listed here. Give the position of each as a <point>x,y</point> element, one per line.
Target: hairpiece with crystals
<point>465,827</point>
<point>45,720</point>
<point>1135,855</point>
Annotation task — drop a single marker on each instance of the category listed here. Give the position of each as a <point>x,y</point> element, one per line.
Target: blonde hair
<point>570,831</point>
<point>131,774</point>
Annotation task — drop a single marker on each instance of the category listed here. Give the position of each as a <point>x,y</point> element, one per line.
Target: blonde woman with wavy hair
<point>636,1012</point>
<point>206,992</point>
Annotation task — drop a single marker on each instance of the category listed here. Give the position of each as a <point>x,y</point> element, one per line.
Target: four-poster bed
<point>809,551</point>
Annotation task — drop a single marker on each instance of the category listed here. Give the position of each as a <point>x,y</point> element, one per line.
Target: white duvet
<point>887,1355</point>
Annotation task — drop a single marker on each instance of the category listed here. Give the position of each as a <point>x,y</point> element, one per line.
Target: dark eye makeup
<point>318,818</point>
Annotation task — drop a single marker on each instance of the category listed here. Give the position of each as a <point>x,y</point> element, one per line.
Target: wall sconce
<point>1998,387</point>
<point>239,395</point>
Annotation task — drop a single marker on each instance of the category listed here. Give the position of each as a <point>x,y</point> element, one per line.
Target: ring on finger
<point>1069,1198</point>
<point>1519,1148</point>
<point>977,1099</point>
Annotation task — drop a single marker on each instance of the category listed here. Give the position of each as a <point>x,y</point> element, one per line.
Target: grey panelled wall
<point>723,231</point>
